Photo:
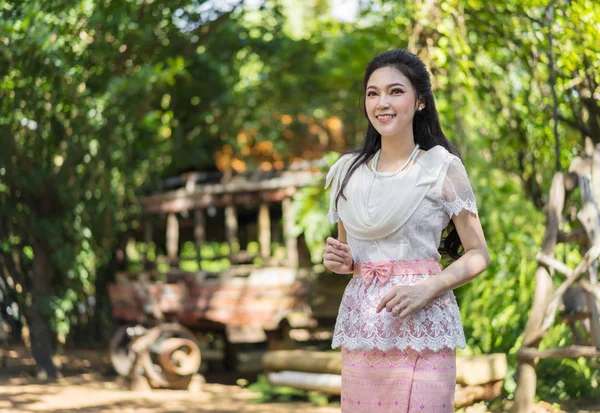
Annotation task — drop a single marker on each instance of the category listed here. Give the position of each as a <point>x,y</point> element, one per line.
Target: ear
<point>420,104</point>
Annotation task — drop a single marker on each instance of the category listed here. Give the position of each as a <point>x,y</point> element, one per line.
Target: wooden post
<point>231,228</point>
<point>148,240</point>
<point>526,375</point>
<point>291,242</point>
<point>264,230</point>
<point>590,220</point>
<point>199,233</point>
<point>593,274</point>
<point>172,240</point>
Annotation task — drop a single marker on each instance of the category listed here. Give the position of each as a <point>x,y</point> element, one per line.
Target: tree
<point>95,100</point>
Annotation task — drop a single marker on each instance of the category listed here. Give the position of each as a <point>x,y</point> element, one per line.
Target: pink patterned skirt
<point>391,364</point>
<point>399,381</point>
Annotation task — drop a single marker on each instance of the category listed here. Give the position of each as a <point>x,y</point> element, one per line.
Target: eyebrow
<point>388,86</point>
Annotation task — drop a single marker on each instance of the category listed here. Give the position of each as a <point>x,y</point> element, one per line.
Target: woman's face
<point>390,101</point>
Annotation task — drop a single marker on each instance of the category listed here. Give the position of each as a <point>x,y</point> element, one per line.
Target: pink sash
<point>383,270</point>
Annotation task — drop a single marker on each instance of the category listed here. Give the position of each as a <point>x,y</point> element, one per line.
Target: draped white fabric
<point>378,204</point>
<point>398,217</point>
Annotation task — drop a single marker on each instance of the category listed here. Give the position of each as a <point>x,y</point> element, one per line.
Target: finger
<point>339,247</point>
<point>407,311</point>
<point>334,258</point>
<point>393,303</point>
<point>344,247</point>
<point>332,241</point>
<point>332,265</point>
<point>394,292</point>
<point>399,308</point>
<point>333,250</point>
<point>337,244</point>
<point>384,301</point>
<point>338,255</point>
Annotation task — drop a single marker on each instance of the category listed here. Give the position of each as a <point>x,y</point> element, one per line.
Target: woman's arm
<point>473,262</point>
<point>342,237</point>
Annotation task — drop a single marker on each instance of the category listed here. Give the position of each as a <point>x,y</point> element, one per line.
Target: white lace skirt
<point>438,325</point>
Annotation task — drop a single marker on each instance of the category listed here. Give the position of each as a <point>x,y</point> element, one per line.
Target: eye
<point>396,91</point>
<point>371,93</point>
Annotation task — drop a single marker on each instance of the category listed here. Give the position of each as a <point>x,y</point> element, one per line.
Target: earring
<point>421,108</point>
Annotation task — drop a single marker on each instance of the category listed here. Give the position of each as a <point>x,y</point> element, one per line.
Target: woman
<point>398,323</point>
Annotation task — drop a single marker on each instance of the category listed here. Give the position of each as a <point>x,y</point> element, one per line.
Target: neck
<point>394,148</point>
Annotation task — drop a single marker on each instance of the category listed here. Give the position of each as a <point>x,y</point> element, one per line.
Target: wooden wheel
<point>121,355</point>
<point>169,355</point>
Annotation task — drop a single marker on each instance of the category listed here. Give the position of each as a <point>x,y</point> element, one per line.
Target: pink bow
<point>369,271</point>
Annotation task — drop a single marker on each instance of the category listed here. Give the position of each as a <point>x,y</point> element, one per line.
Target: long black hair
<point>427,130</point>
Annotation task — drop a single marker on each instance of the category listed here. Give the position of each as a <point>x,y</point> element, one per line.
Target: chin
<point>384,132</point>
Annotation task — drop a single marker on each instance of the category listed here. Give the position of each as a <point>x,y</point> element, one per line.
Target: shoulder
<point>340,167</point>
<point>436,159</point>
<point>347,157</point>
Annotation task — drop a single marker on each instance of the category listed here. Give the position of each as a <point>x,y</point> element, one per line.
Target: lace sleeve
<point>335,176</point>
<point>457,193</point>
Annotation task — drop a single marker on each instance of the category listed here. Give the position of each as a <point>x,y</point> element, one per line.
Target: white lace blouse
<point>398,217</point>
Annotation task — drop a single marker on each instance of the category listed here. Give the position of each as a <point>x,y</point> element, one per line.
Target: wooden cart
<point>160,316</point>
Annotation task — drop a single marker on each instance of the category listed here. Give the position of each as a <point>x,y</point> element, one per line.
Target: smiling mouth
<point>385,117</point>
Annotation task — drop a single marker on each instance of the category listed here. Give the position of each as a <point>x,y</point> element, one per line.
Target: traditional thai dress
<point>394,223</point>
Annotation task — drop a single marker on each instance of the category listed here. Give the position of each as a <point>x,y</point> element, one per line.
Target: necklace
<point>411,158</point>
<point>367,201</point>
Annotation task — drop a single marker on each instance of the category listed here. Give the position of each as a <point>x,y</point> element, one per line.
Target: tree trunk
<point>101,319</point>
<point>37,317</point>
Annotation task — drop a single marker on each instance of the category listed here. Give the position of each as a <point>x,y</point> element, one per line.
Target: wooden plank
<point>264,230</point>
<point>471,370</point>
<point>588,259</point>
<point>291,241</point>
<point>589,216</point>
<point>481,369</point>
<point>577,236</point>
<point>172,238</point>
<point>187,201</point>
<point>199,232</point>
<point>332,384</point>
<point>564,352</point>
<point>467,395</point>
<point>242,317</point>
<point>284,181</point>
<point>543,282</point>
<point>326,383</point>
<point>592,305</point>
<point>245,334</point>
<point>554,264</point>
<point>231,229</point>
<point>303,360</point>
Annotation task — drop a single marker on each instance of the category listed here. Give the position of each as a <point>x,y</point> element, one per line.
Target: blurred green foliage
<point>101,98</point>
<point>270,392</point>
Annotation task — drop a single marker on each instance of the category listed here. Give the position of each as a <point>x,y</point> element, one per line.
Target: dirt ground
<point>88,387</point>
<point>90,394</point>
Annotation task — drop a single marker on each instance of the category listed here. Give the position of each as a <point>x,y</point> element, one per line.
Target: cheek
<point>370,106</point>
<point>405,105</point>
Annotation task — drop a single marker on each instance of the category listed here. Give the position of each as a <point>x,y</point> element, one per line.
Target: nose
<point>382,102</point>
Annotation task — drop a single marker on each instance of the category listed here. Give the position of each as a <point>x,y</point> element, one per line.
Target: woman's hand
<point>337,257</point>
<point>405,300</point>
